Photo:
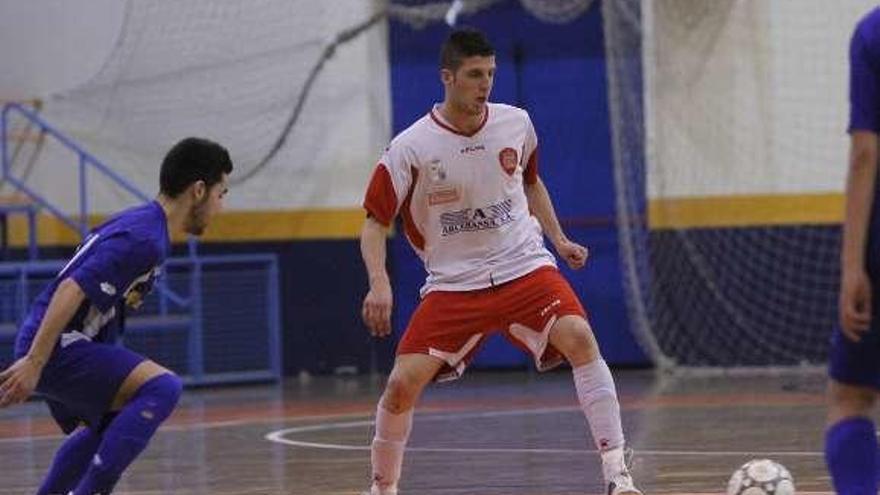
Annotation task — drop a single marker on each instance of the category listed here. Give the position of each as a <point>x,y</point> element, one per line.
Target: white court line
<point>280,436</point>
<point>209,425</point>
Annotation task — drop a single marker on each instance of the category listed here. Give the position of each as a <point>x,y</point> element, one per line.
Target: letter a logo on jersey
<point>508,159</point>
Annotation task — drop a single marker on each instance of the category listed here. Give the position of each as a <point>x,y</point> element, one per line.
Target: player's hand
<point>855,304</point>
<point>18,381</point>
<point>573,253</point>
<point>377,308</point>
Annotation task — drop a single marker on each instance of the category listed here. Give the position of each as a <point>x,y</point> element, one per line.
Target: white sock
<point>598,398</point>
<point>613,462</point>
<point>392,432</point>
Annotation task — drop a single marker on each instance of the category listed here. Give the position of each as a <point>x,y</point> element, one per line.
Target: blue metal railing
<point>85,158</point>
<point>28,279</point>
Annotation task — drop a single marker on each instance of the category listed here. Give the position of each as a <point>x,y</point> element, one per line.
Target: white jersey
<point>461,198</point>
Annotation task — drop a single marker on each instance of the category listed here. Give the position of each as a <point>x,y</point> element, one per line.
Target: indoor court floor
<point>498,433</point>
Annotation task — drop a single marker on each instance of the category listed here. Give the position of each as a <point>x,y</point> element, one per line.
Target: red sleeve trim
<point>381,200</point>
<point>409,225</point>
<point>530,175</point>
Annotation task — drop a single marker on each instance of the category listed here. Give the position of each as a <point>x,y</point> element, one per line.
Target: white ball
<point>761,477</point>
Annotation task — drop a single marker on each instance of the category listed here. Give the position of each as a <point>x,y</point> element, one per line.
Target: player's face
<point>204,209</point>
<point>469,86</point>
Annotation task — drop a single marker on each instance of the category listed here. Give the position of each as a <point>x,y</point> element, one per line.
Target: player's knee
<point>400,394</point>
<point>574,339</point>
<point>162,394</point>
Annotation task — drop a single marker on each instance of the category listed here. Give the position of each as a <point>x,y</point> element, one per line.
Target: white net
<point>234,72</point>
<point>297,90</point>
<point>730,118</point>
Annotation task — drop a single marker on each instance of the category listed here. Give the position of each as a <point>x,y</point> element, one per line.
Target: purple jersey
<point>864,62</point>
<point>116,263</point>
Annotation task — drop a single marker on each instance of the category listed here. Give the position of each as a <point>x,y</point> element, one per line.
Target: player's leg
<point>547,319</point>
<point>442,336</point>
<point>144,400</point>
<point>70,462</point>
<point>411,373</point>
<point>79,382</point>
<point>851,439</point>
<point>851,436</point>
<point>572,336</point>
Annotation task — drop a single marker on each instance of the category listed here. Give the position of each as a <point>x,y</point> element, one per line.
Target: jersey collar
<point>439,120</point>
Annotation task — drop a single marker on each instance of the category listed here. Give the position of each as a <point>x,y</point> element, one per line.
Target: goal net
<point>728,121</point>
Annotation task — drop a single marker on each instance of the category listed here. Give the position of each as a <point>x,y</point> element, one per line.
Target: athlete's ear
<point>447,76</point>
<point>199,190</point>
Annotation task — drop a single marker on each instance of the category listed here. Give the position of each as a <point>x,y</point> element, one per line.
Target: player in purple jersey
<point>850,440</point>
<point>65,349</point>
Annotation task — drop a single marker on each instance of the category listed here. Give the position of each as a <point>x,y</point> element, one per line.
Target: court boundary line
<point>280,437</point>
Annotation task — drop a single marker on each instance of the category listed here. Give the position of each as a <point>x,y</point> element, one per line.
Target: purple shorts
<point>80,381</point>
<point>856,363</point>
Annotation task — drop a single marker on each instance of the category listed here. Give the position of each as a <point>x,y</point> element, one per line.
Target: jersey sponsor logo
<point>436,171</point>
<point>139,288</point>
<point>472,149</point>
<point>108,288</point>
<point>443,196</point>
<point>476,219</point>
<point>440,190</point>
<point>546,309</point>
<point>509,159</point>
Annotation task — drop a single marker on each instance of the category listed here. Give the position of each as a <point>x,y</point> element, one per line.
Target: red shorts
<point>452,325</point>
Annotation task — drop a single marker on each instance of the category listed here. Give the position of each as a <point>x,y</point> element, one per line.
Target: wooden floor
<point>513,433</point>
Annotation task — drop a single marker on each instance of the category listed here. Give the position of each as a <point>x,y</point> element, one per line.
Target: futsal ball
<point>761,477</point>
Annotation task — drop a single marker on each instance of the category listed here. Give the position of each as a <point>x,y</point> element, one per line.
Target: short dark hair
<point>190,160</point>
<point>461,44</point>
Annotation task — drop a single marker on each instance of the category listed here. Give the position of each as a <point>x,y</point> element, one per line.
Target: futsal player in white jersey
<point>464,179</point>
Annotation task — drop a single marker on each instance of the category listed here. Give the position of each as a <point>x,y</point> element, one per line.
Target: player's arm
<point>19,380</point>
<point>376,310</point>
<point>864,126</point>
<point>381,203</point>
<point>541,207</point>
<point>855,294</point>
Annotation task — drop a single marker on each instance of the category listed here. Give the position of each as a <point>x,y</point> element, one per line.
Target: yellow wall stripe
<point>280,225</point>
<point>232,226</point>
<point>746,211</point>
<point>284,225</point>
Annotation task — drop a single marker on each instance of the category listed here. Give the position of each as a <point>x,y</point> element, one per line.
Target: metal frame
<point>195,374</point>
<point>85,159</point>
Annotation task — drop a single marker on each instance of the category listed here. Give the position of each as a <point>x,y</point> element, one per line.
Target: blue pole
<point>22,294</point>
<point>275,350</point>
<point>196,357</point>
<point>192,245</point>
<point>4,142</point>
<point>163,289</point>
<point>32,232</point>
